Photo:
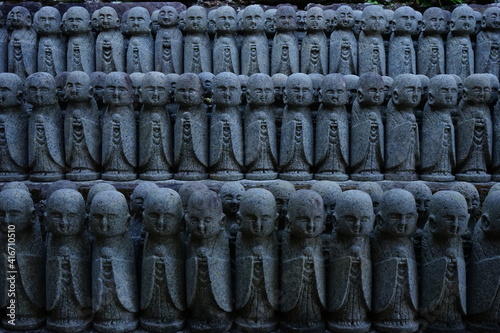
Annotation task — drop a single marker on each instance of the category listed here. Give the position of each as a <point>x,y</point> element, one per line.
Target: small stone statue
<point>395,279</point>
<point>211,22</point>
<point>140,49</point>
<point>110,43</point>
<point>99,187</point>
<point>17,215</point>
<point>208,271</point>
<point>187,189</point>
<point>471,195</point>
<point>314,50</point>
<point>474,130</point>
<point>422,195</point>
<point>329,192</point>
<point>82,133</point>
<point>163,298</point>
<point>155,129</point>
<point>270,24</point>
<point>442,279</point>
<point>282,190</point>
<point>332,130</point>
<point>115,298</point>
<point>230,195</point>
<point>296,151</point>
<point>438,133</point>
<point>4,45</point>
<point>459,52</point>
<point>402,144</point>
<point>45,134</point>
<point>97,82</point>
<point>285,47</point>
<point>51,44</point>
<point>257,262</point>
<point>367,129</point>
<point>119,146</point>
<point>370,44</point>
<point>68,263</point>
<point>136,80</point>
<point>94,22</point>
<point>356,29</point>
<point>402,58</point>
<point>343,44</point>
<point>190,130</point>
<point>226,54</point>
<point>331,21</point>
<point>22,41</point>
<point>430,53</point>
<point>301,20</point>
<point>349,279</point>
<point>168,42</point>
<point>488,43</point>
<point>303,295</point>
<point>197,49</point>
<point>375,191</point>
<point>136,204</point>
<point>13,129</point>
<point>254,48</point>
<point>155,26</point>
<point>80,54</point>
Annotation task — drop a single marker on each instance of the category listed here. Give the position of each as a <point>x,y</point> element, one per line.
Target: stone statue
<point>329,192</point>
<point>45,134</point>
<point>356,29</point>
<point>418,111</point>
<point>136,204</point>
<point>388,81</point>
<point>4,45</point>
<point>82,133</point>
<point>68,265</point>
<point>279,83</point>
<point>375,191</point>
<point>22,41</point>
<point>97,82</point>
<point>99,187</point>
<point>332,130</point>
<point>51,44</point>
<point>474,130</point>
<point>422,195</point>
<point>395,279</point>
<point>163,298</point>
<point>349,278</point>
<point>282,190</point>
<point>136,80</point>
<point>207,81</point>
<point>230,195</point>
<point>370,44</point>
<point>257,262</point>
<point>190,130</point>
<point>402,58</point>
<point>140,49</point>
<point>389,25</point>
<point>211,22</point>
<point>301,21</point>
<point>208,271</point>
<point>226,130</point>
<point>197,49</point>
<point>115,297</point>
<point>343,44</point>
<point>187,189</point>
<point>17,186</point>
<point>438,133</point>
<point>226,56</point>
<point>27,260</point>
<point>471,195</point>
<point>119,143</point>
<point>430,53</point>
<point>13,129</point>
<point>459,52</point>
<point>94,22</point>
<point>182,20</point>
<point>367,129</point>
<point>110,43</point>
<point>303,295</point>
<point>254,48</point>
<point>488,43</point>
<point>270,25</point>
<point>155,26</point>
<point>314,50</point>
<point>296,150</point>
<point>442,279</point>
<point>80,54</point>
<point>285,47</point>
<point>402,144</point>
<point>155,129</point>
<point>168,43</point>
<point>331,21</point>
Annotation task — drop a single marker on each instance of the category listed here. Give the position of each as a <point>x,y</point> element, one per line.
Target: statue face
<point>10,93</point>
<point>491,18</point>
<point>258,220</point>
<point>77,88</point>
<point>15,211</point>
<point>162,217</point>
<point>167,17</point>
<point>372,93</point>
<point>299,92</point>
<point>374,19</point>
<point>226,19</point>
<point>408,94</point>
<point>399,219</point>
<point>19,17</point>
<point>65,217</point>
<point>253,19</point>
<point>405,21</point>
<point>40,92</point>
<point>285,18</point>
<point>355,220</point>
<point>48,20</point>
<point>345,17</point>
<point>450,220</point>
<point>463,20</point>
<point>315,19</point>
<point>334,93</point>
<point>261,94</point>
<point>203,222</point>
<point>479,91</point>
<point>435,22</point>
<point>188,93</point>
<point>117,92</point>
<point>196,19</point>
<point>270,21</point>
<point>227,92</point>
<point>231,199</point>
<point>138,20</point>
<point>445,95</point>
<point>108,18</point>
<point>301,20</point>
<point>154,91</point>
<point>108,220</point>
<point>75,22</point>
<point>306,221</point>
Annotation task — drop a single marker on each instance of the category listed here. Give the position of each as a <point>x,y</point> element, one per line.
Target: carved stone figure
<point>488,43</point>
<point>80,54</point>
<point>402,58</point>
<point>442,279</point>
<point>136,80</point>
<point>136,204</point>
<point>303,295</point>
<point>97,82</point>
<point>430,43</point>
<point>254,48</point>
<point>155,26</point>
<point>375,192</point>
<point>343,44</point>
<point>367,129</point>
<point>13,129</point>
<point>190,130</point>
<point>51,44</point>
<point>296,150</point>
<point>82,134</point>
<point>4,45</point>
<point>270,24</point>
<point>301,21</point>
<point>197,49</point>
<point>115,297</point>
<point>471,195</point>
<point>358,14</point>
<point>329,192</point>
<point>208,271</point>
<point>168,43</point>
<point>438,133</point>
<point>422,195</point>
<point>226,56</point>
<point>331,21</point>
<point>68,265</point>
<point>140,45</point>
<point>17,215</point>
<point>285,47</point>
<point>119,143</point>
<point>18,186</point>
<point>211,22</point>
<point>282,190</point>
<point>459,52</point>
<point>349,278</point>
<point>395,279</point>
<point>187,189</point>
<point>99,187</point>
<point>22,41</point>
<point>155,129</point>
<point>257,260</point>
<point>370,44</point>
<point>94,22</point>
<point>110,43</point>
<point>314,50</point>
<point>388,81</point>
<point>230,195</point>
<point>163,298</point>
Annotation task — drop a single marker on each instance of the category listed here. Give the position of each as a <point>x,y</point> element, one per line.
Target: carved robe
<point>459,56</point>
<point>296,141</point>
<point>402,57</point>
<point>169,51</point>
<point>496,140</point>
<point>81,53</point>
<point>226,55</point>
<point>285,54</point>
<point>314,53</point>
<point>110,52</point>
<point>140,54</point>
<point>255,54</point>
<point>431,57</point>
<point>197,53</point>
<point>343,52</point>
<point>14,144</point>
<point>22,52</point>
<point>372,54</point>
<point>52,54</point>
<point>4,49</point>
<point>488,52</point>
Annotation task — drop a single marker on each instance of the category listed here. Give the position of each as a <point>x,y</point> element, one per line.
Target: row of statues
<point>278,40</point>
<point>206,276</point>
<point>405,129</point>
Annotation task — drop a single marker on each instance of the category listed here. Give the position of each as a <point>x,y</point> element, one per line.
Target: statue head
<point>424,83</point>
<point>154,89</point>
<point>189,90</point>
<point>375,192</point>
<point>40,89</point>
<point>333,90</point>
<point>253,18</point>
<point>19,17</point>
<point>167,17</point>
<point>109,215</point>
<point>354,214</point>
<point>405,21</point>
<point>94,21</point>
<point>118,89</point>
<point>59,185</point>
<point>301,20</point>
<point>477,89</point>
<point>230,194</point>
<point>434,21</point>
<point>358,14</point>
<point>331,20</point>
<point>154,22</point>
<point>207,81</point>
<point>491,18</point>
<point>204,217</point>
<point>398,214</point>
<point>422,195</point>
<point>97,81</point>
<point>406,90</point>
<point>345,17</point>
<point>448,214</point>
<point>463,20</point>
<point>260,90</point>
<point>65,213</point>
<point>316,80</point>
<point>389,19</point>
<point>138,21</point>
<point>136,79</point>
<point>182,20</point>
<point>257,214</point>
<point>11,90</point>
<point>490,220</point>
<point>270,21</point>
<point>188,188</point>
<point>212,21</point>
<point>306,214</point>
<point>163,212</point>
<point>47,21</point>
<point>460,85</point>
<point>352,83</point>
<point>470,194</point>
<point>387,87</point>
<point>329,192</point>
<point>196,19</point>
<point>225,19</point>
<point>373,20</point>
<point>17,209</point>
<point>227,90</point>
<point>299,90</point>
<point>371,89</point>
<point>172,79</point>
<point>285,18</point>
<point>78,87</point>
<point>76,20</point>
<point>140,195</point>
<point>108,18</point>
<point>443,91</point>
<point>279,83</point>
<point>99,187</point>
<point>281,190</point>
<point>420,22</point>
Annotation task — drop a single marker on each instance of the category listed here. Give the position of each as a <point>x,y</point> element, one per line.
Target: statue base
<point>247,327</point>
<point>311,328</point>
<point>296,176</point>
<point>473,177</point>
<point>12,177</point>
<point>367,176</point>
<point>46,177</point>
<point>115,326</point>
<point>119,176</point>
<point>493,327</point>
<point>190,176</point>
<point>438,177</point>
<point>401,176</point>
<point>261,175</point>
<point>407,327</point>
<point>156,175</point>
<point>23,323</point>
<point>74,325</point>
<point>208,327</point>
<point>226,175</point>
<point>349,327</point>
<point>83,175</point>
<point>334,176</point>
<point>159,326</point>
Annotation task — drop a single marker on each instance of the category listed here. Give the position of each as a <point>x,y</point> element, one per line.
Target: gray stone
<point>51,44</point>
<point>459,52</point>
<point>488,42</point>
<point>4,45</point>
<point>168,42</point>
<point>282,190</point>
<point>15,185</point>
<point>388,81</point>
<point>370,43</point>
<point>351,82</point>
<point>187,189</point>
<point>155,26</point>
<point>270,23</point>
<point>22,41</point>
<point>331,21</point>
<point>110,43</point>
<point>402,58</point>
<point>136,205</point>
<point>357,22</point>
<point>422,195</point>
<point>226,55</point>
<point>495,166</point>
<point>285,47</point>
<point>94,22</point>
<point>211,22</point>
<point>100,187</point>
<point>254,48</point>
<point>97,80</point>
<point>140,45</point>
<point>471,196</point>
<point>80,54</point>
<point>136,80</point>
<point>329,192</point>
<point>431,56</point>
<point>343,44</point>
<point>375,192</point>
<point>230,195</point>
<point>314,49</point>
<point>197,49</point>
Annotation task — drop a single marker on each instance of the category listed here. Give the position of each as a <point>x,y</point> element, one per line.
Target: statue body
<point>110,43</point>
<point>431,56</point>
<point>459,51</point>
<point>140,45</point>
<point>21,50</point>
<point>401,57</point>
<point>51,44</point>
<point>80,54</point>
<point>488,43</point>
<point>285,46</point>
<point>197,45</point>
<point>371,51</point>
<point>168,42</point>
<point>254,47</point>
<point>343,44</point>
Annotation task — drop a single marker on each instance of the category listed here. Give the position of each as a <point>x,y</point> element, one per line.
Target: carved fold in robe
<point>169,51</point>
<point>155,141</point>
<point>226,141</point>
<point>226,55</point>
<point>254,54</point>
<point>314,54</point>
<point>296,141</point>
<point>52,54</point>
<point>488,52</point>
<point>191,141</point>
<point>459,56</point>
<point>140,54</point>
<point>431,57</point>
<point>81,53</point>
<point>372,54</point>
<point>285,54</point>
<point>110,52</point>
<point>343,52</point>
<point>22,52</point>
<point>402,57</point>
<point>260,133</point>
<point>197,53</point>
<point>14,140</point>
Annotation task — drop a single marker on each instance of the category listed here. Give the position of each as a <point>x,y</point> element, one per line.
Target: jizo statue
<point>51,44</point>
<point>80,54</point>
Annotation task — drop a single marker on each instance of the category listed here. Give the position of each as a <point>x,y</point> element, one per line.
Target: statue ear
<point>395,96</point>
<point>117,21</point>
<point>247,94</point>
<point>483,22</point>
<point>360,95</point>
<point>363,25</point>
<point>285,97</point>
<point>140,96</point>
<point>432,224</point>
<point>485,223</point>
<point>378,221</point>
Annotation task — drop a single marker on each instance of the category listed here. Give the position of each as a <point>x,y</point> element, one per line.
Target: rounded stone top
<point>373,19</point>
<point>437,84</point>
<point>101,187</point>
<point>227,89</point>
<point>58,185</point>
<point>333,90</point>
<point>260,90</point>
<point>19,17</point>
<point>12,90</point>
<point>76,20</point>
<point>196,19</point>
<point>281,189</point>
<point>374,190</point>
<point>258,199</point>
<point>286,19</point>
<point>65,212</point>
<point>40,89</point>
<point>463,20</point>
<point>345,17</point>
<point>434,21</point>
<point>257,213</point>
<point>470,193</point>
<point>306,214</point>
<point>448,214</point>
<point>154,89</point>
<point>232,188</point>
<point>299,90</point>
<point>315,19</point>
<point>371,89</point>
<point>15,186</point>
<point>17,200</point>
<point>47,20</point>
<point>204,217</point>
<point>167,17</point>
<point>406,90</point>
<point>419,189</point>
<point>354,213</point>
<point>477,88</point>
<point>225,19</point>
<point>188,188</point>
<point>109,215</point>
<point>107,18</point>
<point>490,18</point>
<point>490,220</point>
<point>328,190</point>
<point>405,20</point>
<point>163,212</point>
